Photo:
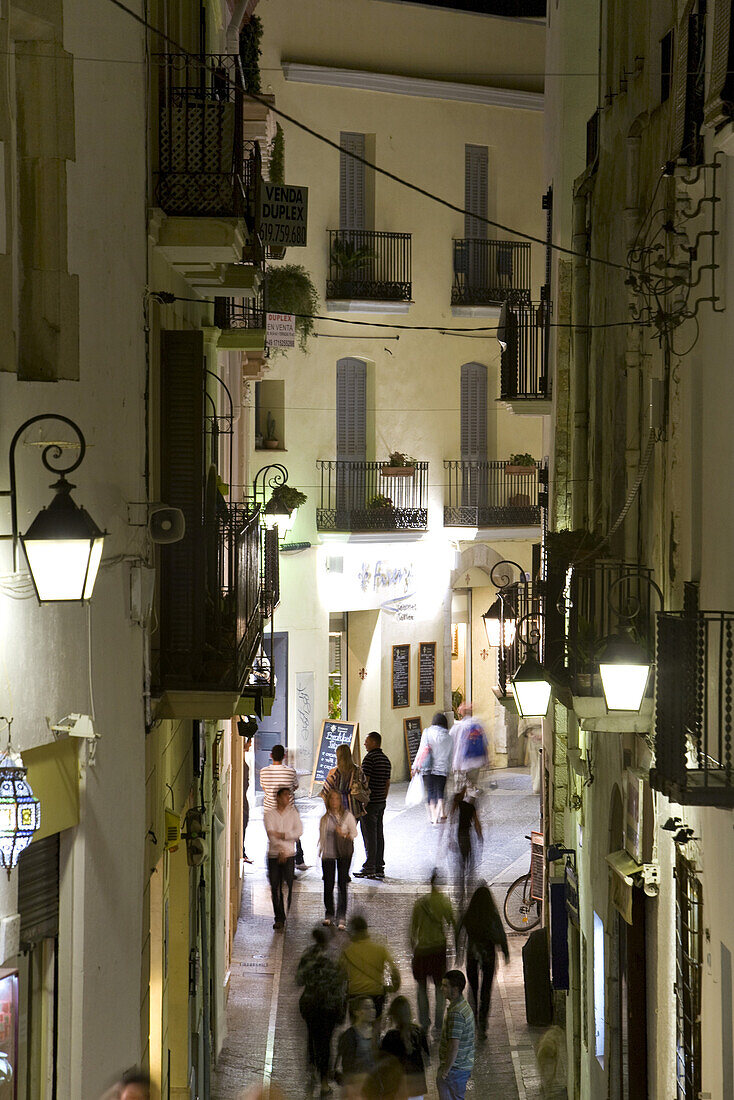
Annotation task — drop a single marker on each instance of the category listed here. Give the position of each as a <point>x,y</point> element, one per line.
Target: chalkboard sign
<point>412,730</point>
<point>537,865</point>
<point>426,674</point>
<point>333,734</point>
<point>401,675</point>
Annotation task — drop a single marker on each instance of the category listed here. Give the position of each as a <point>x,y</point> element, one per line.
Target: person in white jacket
<point>433,761</point>
<point>283,826</point>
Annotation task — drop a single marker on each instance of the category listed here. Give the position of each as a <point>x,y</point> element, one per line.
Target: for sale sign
<point>280,330</point>
<point>283,213</point>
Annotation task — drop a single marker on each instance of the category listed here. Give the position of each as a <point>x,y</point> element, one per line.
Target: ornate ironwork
<point>359,496</point>
<point>483,494</point>
<point>524,362</point>
<point>488,272</point>
<point>369,265</point>
<point>232,315</point>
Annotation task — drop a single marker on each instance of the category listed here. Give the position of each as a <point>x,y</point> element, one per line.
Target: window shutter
<point>351,182</point>
<point>680,84</point>
<point>476,190</point>
<point>182,486</point>
<point>721,94</point>
<point>351,410</point>
<point>38,891</point>
<point>473,412</point>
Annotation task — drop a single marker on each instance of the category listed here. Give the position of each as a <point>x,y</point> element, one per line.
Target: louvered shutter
<point>351,182</point>
<point>351,435</point>
<point>680,84</point>
<point>474,412</point>
<point>38,891</point>
<point>476,190</point>
<point>182,486</point>
<point>721,92</point>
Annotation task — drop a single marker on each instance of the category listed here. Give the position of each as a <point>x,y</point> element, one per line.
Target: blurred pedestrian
<point>337,831</point>
<point>466,820</point>
<point>484,933</point>
<point>532,730</point>
<point>356,1049</point>
<point>350,781</point>
<point>407,1042</point>
<point>386,1082</point>
<point>245,800</point>
<point>432,916</point>
<point>283,826</point>
<point>471,748</point>
<point>456,1047</point>
<point>323,1003</point>
<point>377,769</point>
<point>365,960</point>
<point>433,761</point>
<point>276,775</point>
<point>134,1084</point>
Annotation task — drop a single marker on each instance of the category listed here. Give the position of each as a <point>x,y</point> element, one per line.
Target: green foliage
<point>346,256</point>
<point>566,546</point>
<point>335,700</point>
<point>457,698</point>
<point>379,501</point>
<point>250,52</point>
<point>397,458</point>
<point>270,427</point>
<point>522,460</point>
<point>290,290</point>
<point>288,497</point>
<point>277,156</point>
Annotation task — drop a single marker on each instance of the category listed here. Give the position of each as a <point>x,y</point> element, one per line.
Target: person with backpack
<point>322,1004</point>
<point>337,830</point>
<point>471,748</point>
<point>407,1042</point>
<point>484,933</point>
<point>431,918</point>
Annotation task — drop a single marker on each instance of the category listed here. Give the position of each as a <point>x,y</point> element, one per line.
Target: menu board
<point>333,734</point>
<point>426,674</point>
<point>401,675</point>
<point>412,730</point>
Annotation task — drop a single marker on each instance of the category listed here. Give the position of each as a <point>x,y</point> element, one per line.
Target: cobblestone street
<point>266,1036</point>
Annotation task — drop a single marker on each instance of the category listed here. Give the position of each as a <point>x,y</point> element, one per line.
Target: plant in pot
<point>398,465</point>
<point>350,263</point>
<point>271,440</point>
<point>520,464</point>
<point>380,503</point>
<point>284,500</point>
<point>289,289</point>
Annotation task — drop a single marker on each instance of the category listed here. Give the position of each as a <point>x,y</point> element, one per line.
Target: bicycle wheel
<point>522,912</point>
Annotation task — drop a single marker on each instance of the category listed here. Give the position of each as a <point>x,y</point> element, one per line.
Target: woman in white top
<point>337,831</point>
<point>433,761</point>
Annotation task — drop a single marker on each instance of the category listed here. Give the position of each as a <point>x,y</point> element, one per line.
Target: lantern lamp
<point>20,812</point>
<point>277,515</point>
<point>531,689</point>
<point>625,671</point>
<point>499,625</point>
<point>63,547</point>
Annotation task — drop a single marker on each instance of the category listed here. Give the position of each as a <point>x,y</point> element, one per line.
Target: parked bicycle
<point>522,910</point>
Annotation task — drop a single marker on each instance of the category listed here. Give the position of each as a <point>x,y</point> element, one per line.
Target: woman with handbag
<point>433,761</point>
<point>337,831</point>
<point>350,781</point>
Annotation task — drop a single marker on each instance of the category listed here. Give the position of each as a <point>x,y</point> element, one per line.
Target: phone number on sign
<point>284,234</point>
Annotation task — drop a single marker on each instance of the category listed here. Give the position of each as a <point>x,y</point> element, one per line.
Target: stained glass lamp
<point>20,812</point>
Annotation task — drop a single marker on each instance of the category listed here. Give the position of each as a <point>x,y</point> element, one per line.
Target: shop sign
<point>283,214</point>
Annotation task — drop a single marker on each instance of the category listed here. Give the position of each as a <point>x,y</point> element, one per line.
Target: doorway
<point>273,729</point>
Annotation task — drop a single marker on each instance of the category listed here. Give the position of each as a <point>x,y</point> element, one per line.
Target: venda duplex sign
<point>283,213</point>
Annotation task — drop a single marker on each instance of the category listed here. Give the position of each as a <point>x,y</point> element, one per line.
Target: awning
<point>621,881</point>
<point>53,773</point>
<point>624,865</point>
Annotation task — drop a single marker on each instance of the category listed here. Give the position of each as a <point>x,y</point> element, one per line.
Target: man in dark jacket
<point>377,768</point>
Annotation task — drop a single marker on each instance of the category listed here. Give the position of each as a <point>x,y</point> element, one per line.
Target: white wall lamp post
<point>63,545</point>
<point>626,665</point>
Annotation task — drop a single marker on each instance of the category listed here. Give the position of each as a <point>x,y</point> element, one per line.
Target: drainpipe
<point>633,357</point>
<point>580,382</point>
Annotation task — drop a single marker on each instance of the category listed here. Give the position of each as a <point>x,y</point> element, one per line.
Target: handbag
<point>358,789</point>
<point>344,846</point>
<point>414,793</point>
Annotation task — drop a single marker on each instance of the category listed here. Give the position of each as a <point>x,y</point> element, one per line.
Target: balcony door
<point>473,435</point>
<point>476,205</point>
<point>351,435</point>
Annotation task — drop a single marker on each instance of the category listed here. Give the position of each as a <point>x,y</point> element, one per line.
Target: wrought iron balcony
<point>369,266</point>
<point>484,494</point>
<point>489,272</point>
<point>205,167</point>
<point>694,708</point>
<point>234,315</point>
<point>359,496</point>
<point>524,365</point>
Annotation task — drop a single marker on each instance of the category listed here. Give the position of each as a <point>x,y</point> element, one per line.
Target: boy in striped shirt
<point>272,778</point>
<point>456,1047</point>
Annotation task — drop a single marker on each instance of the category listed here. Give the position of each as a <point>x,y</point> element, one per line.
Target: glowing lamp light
<point>20,812</point>
<point>63,547</point>
<point>276,515</point>
<point>493,624</point>
<point>625,671</point>
<point>531,689</point>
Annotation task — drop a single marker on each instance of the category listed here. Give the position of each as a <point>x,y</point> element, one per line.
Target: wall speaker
<point>166,524</point>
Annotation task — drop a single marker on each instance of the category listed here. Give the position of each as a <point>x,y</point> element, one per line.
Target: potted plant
<point>349,262</point>
<point>271,440</point>
<point>520,465</point>
<point>398,465</point>
<point>289,290</point>
<point>380,503</point>
<point>287,498</point>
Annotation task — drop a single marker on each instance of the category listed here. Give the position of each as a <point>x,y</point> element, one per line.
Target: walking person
<point>433,761</point>
<point>356,1048</point>
<point>471,748</point>
<point>378,769</point>
<point>484,933</point>
<point>323,1004</point>
<point>350,781</point>
<point>464,814</point>
<point>407,1042</point>
<point>245,800</point>
<point>456,1047</point>
<point>431,918</point>
<point>337,831</point>
<point>278,774</point>
<point>283,826</point>
<point>364,961</point>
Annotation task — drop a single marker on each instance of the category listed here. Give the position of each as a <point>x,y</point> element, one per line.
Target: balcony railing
<point>225,606</point>
<point>694,708</point>
<point>524,366</point>
<point>368,265</point>
<point>205,167</point>
<point>357,496</point>
<point>488,272</point>
<point>232,314</point>
<point>484,494</point>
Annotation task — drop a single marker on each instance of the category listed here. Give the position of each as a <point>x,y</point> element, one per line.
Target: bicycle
<point>522,910</point>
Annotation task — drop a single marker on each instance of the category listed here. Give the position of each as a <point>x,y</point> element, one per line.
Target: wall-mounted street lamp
<point>531,688</point>
<point>625,665</point>
<point>63,545</point>
<point>284,501</point>
<point>500,619</point>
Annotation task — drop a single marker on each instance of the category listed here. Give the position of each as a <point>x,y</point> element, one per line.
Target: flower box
<point>519,471</point>
<point>397,471</point>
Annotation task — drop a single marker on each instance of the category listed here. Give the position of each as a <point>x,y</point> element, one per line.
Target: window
<point>476,190</point>
<point>666,65</point>
<point>351,432</point>
<point>474,412</point>
<point>688,963</point>
<point>352,182</point>
<point>721,84</point>
<point>599,990</point>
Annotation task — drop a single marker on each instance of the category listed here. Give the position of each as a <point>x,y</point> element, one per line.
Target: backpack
<point>325,986</point>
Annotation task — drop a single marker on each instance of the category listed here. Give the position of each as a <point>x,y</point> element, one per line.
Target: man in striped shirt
<point>377,768</point>
<point>456,1046</point>
<point>277,774</point>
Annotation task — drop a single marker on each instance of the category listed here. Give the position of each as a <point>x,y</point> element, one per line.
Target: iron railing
<point>358,496</point>
<point>367,265</point>
<point>205,167</point>
<point>522,602</point>
<point>246,313</point>
<point>694,708</point>
<point>486,272</point>
<point>484,494</point>
<point>524,361</point>
<point>689,933</point>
